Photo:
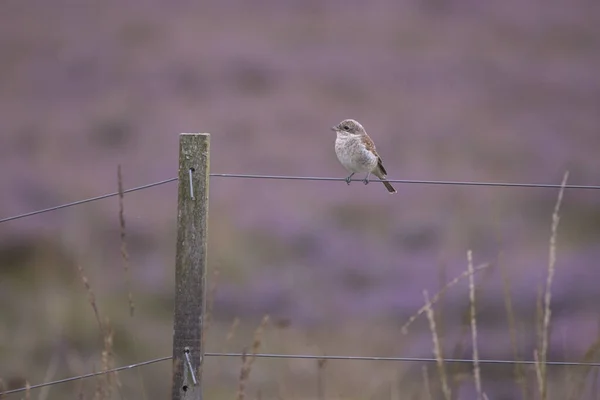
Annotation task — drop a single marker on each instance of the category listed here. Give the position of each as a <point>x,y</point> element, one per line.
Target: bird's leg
<point>349,177</point>
<point>366,180</point>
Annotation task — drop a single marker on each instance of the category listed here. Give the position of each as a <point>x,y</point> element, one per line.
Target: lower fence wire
<point>309,357</point>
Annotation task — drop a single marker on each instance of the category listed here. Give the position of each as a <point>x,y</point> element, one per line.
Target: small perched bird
<point>356,151</point>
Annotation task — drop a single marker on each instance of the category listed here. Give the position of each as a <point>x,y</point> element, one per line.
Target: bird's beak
<point>334,128</point>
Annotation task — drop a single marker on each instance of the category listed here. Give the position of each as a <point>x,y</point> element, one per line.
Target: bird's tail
<point>388,186</point>
<point>380,173</point>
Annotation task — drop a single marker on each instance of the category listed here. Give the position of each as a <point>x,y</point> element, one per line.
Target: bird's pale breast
<point>353,154</point>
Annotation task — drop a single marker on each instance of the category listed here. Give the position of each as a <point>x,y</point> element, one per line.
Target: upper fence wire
<point>305,178</point>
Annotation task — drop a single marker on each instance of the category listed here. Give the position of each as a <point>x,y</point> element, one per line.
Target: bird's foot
<point>366,180</point>
<point>348,179</point>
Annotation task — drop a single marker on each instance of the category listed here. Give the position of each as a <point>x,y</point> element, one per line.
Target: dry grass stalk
<point>439,315</point>
<point>437,347</point>
<point>124,252</point>
<point>107,360</point>
<point>108,357</point>
<point>244,375</point>
<point>248,361</point>
<point>578,382</point>
<point>543,354</point>
<point>539,316</point>
<point>91,297</point>
<point>458,370</point>
<point>519,371</point>
<point>103,390</point>
<point>476,369</point>
<point>538,370</point>
<point>231,333</point>
<point>127,268</point>
<point>439,294</point>
<point>27,390</point>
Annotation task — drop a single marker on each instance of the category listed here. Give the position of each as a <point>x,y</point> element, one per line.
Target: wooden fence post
<point>190,265</point>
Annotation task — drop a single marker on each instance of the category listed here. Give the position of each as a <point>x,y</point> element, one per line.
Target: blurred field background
<point>458,90</point>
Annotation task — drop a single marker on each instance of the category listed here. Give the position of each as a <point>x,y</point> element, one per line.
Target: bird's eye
<point>346,127</point>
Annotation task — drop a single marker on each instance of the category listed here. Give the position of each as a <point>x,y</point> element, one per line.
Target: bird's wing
<point>366,140</point>
<point>380,165</point>
<point>370,145</point>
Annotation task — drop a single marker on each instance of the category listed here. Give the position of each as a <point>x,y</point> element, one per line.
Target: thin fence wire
<point>90,375</point>
<point>304,356</point>
<point>307,178</point>
<point>411,181</point>
<point>78,202</point>
<point>403,359</point>
<point>308,357</point>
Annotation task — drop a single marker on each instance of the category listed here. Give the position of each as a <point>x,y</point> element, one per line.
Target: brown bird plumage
<point>356,151</point>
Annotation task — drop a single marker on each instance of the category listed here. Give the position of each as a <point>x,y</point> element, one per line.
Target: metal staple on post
<point>191,170</point>
<point>189,365</point>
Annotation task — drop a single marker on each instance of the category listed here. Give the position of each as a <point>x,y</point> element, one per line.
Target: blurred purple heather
<point>460,90</point>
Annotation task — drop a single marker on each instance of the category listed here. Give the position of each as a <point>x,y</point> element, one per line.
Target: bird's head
<point>349,127</point>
